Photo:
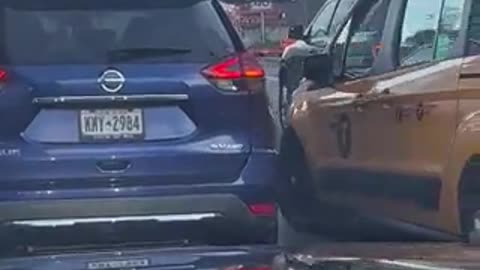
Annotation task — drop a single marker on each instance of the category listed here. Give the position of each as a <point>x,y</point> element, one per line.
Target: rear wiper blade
<point>141,53</point>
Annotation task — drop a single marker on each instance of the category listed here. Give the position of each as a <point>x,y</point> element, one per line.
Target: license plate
<point>111,124</point>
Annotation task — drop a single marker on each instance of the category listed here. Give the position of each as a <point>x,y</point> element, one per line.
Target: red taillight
<point>3,75</point>
<point>233,73</point>
<point>262,209</point>
<point>229,69</point>
<point>250,66</point>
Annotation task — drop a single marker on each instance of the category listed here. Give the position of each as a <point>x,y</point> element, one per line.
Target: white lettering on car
<point>10,152</point>
<point>226,147</point>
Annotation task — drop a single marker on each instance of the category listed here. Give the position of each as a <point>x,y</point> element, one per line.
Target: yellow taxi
<point>386,125</point>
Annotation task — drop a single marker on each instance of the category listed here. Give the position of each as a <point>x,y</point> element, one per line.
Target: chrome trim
<point>75,221</point>
<point>106,78</point>
<point>110,99</point>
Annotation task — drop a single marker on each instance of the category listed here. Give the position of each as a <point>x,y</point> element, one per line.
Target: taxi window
<point>341,13</point>
<point>474,29</point>
<point>356,47</point>
<point>365,40</point>
<point>338,50</point>
<point>321,23</point>
<point>419,31</point>
<point>449,30</point>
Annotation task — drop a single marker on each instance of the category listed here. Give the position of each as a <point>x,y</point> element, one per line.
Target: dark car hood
<point>181,258</point>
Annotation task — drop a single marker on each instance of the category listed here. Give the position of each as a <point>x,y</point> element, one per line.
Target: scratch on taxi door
<point>420,111</point>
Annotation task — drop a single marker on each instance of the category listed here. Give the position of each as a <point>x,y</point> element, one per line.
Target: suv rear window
<point>39,32</point>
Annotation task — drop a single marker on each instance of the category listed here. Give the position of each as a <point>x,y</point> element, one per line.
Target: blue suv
<point>121,111</point>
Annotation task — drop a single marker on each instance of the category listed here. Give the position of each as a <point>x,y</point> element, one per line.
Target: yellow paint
<point>437,147</point>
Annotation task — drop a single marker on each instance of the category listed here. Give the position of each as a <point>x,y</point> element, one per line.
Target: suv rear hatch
<point>141,92</point>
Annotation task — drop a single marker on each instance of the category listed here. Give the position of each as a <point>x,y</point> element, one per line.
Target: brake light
<point>262,209</point>
<point>240,72</point>
<point>3,75</point>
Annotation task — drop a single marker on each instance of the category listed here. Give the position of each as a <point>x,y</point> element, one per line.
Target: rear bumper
<point>211,218</point>
<point>222,207</point>
<point>167,209</point>
<point>249,182</point>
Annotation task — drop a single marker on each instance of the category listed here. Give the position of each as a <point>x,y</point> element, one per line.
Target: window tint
<point>365,44</point>
<point>341,13</point>
<point>450,23</point>
<point>419,31</point>
<point>321,22</point>
<point>474,29</point>
<point>339,49</point>
<point>80,32</point>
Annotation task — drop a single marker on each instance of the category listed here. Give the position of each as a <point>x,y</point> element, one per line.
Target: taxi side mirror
<point>319,68</point>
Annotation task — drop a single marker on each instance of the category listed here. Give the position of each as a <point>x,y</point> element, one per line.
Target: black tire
<point>467,212</point>
<point>469,198</point>
<point>295,190</point>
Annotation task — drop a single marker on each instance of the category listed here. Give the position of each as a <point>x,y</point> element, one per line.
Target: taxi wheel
<point>467,213</point>
<point>295,190</point>
<point>469,198</point>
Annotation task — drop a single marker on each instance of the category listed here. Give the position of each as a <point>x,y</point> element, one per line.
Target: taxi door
<point>349,115</point>
<point>399,126</point>
<point>316,111</point>
<point>410,119</point>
